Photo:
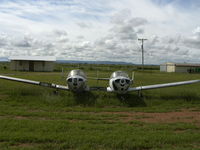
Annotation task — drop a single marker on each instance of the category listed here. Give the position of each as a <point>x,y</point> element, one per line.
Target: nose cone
<point>76,83</point>
<point>122,81</point>
<point>121,85</point>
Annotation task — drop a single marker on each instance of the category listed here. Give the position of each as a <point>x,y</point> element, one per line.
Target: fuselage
<point>76,81</point>
<point>119,82</point>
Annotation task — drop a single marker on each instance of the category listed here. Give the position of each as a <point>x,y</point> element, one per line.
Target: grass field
<point>33,118</point>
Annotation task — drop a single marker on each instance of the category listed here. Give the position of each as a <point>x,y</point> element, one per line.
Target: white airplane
<point>119,82</point>
<point>76,82</point>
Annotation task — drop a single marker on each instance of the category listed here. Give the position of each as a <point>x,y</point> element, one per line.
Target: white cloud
<point>101,29</point>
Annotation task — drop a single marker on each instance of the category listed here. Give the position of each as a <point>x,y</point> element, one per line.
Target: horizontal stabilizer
<point>98,89</point>
<point>93,78</point>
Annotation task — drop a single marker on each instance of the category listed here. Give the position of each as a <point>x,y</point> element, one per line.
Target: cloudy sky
<point>102,29</point>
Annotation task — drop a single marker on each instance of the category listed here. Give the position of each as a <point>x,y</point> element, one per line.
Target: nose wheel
<point>122,98</point>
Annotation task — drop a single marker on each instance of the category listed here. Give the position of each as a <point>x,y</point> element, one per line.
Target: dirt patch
<point>186,116</point>
<point>3,96</point>
<point>23,117</point>
<point>20,117</point>
<point>24,145</point>
<point>38,118</point>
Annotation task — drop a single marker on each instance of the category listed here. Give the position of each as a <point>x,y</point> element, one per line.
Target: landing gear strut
<point>122,98</point>
<point>140,93</point>
<point>55,92</point>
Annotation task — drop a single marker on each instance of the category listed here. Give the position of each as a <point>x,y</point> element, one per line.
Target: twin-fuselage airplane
<point>119,82</point>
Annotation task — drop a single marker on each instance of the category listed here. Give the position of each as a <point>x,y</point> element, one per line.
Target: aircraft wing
<point>45,84</point>
<point>148,87</point>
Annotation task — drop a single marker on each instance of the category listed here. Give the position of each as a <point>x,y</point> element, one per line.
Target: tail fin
<point>97,74</point>
<point>97,77</point>
<point>62,74</point>
<point>133,76</point>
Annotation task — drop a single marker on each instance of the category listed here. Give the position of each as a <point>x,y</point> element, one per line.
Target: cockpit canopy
<point>77,73</point>
<point>119,73</point>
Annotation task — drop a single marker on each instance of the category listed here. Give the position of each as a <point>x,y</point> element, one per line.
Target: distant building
<point>32,63</point>
<point>178,67</point>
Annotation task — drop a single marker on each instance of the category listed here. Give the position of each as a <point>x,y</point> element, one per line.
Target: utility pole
<point>142,47</point>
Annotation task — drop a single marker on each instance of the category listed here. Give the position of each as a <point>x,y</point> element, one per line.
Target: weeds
<point>34,118</point>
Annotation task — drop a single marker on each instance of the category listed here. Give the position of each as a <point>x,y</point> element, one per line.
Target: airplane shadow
<point>90,99</point>
<point>85,98</point>
<point>132,100</point>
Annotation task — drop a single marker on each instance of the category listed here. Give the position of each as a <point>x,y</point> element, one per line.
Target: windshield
<point>77,72</point>
<point>119,73</point>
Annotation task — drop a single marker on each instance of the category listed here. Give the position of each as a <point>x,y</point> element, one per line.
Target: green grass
<point>33,118</point>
